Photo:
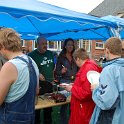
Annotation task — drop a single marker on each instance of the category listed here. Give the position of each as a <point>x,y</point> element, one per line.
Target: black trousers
<point>47,116</point>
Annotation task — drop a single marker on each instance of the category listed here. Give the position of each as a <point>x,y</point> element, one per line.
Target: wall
<point>96,53</point>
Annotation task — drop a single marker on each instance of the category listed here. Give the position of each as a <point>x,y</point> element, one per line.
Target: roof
<point>108,7</point>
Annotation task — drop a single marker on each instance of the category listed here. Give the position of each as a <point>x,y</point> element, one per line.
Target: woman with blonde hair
<point>18,81</point>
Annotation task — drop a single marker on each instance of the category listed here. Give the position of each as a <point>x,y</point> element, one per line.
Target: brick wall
<point>96,53</point>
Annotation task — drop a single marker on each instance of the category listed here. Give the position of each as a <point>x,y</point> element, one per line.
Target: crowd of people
<point>24,76</point>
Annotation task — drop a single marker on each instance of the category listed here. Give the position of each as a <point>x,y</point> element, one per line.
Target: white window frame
<point>23,43</point>
<point>82,44</point>
<point>98,47</point>
<point>52,49</point>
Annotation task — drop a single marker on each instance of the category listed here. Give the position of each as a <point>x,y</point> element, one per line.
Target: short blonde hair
<point>81,54</point>
<point>114,45</point>
<point>10,40</point>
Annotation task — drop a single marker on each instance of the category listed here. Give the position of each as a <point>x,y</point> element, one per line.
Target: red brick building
<point>97,49</point>
<point>94,48</point>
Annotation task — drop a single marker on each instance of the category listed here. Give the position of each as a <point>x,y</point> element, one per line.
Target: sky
<point>83,6</point>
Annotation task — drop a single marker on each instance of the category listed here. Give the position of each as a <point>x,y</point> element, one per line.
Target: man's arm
<point>41,77</point>
<point>8,75</point>
<point>106,94</point>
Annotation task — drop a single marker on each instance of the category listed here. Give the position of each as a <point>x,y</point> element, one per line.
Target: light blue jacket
<point>110,93</point>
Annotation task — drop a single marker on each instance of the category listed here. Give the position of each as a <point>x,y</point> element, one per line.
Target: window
<point>23,43</point>
<point>99,45</point>
<point>85,44</point>
<point>77,44</point>
<point>52,45</point>
<point>61,45</point>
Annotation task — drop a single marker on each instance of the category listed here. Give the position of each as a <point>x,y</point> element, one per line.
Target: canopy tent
<point>94,34</point>
<point>32,18</point>
<point>29,27</point>
<point>119,22</point>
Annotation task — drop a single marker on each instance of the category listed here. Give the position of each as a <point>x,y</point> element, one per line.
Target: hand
<point>71,84</point>
<point>41,77</point>
<point>68,88</point>
<point>64,70</point>
<point>94,86</point>
<point>55,82</point>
